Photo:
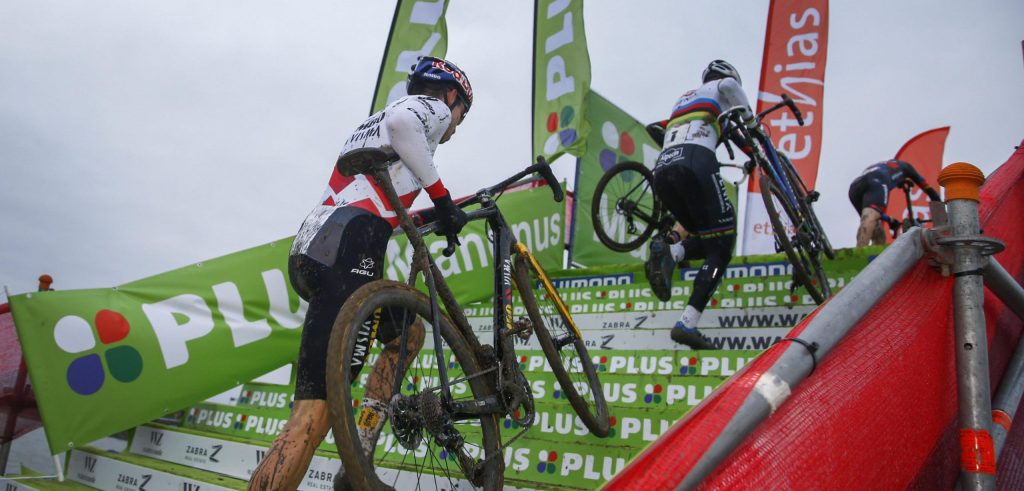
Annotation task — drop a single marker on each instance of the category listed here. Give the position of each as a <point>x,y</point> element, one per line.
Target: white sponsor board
<point>12,485</point>
<point>758,237</point>
<point>221,456</point>
<point>101,472</point>
<point>240,459</point>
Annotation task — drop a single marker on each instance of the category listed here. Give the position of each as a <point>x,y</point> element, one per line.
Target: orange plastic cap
<point>961,181</point>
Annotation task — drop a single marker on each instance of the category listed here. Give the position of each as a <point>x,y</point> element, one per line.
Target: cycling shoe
<point>690,336</point>
<point>658,269</point>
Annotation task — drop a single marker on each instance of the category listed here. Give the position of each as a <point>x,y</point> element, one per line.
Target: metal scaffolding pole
<point>1011,389</point>
<point>977,451</point>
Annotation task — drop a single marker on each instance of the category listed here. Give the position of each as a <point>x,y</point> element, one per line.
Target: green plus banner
<point>615,137</point>
<point>561,78</point>
<point>105,360</point>
<point>418,29</point>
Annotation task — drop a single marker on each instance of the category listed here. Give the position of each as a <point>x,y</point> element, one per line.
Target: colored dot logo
<point>355,403</point>
<point>240,421</point>
<point>652,394</point>
<point>688,366</point>
<point>191,418</point>
<point>413,384</point>
<point>245,397</point>
<point>510,423</point>
<point>522,362</point>
<point>546,461</point>
<point>560,138</point>
<point>612,422</point>
<point>620,146</point>
<point>559,393</point>
<point>86,374</point>
<point>602,364</point>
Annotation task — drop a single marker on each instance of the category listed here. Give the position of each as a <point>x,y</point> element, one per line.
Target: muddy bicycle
<point>445,401</point>
<point>626,212</point>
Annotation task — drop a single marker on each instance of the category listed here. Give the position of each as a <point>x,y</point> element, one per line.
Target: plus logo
<point>653,393</point>
<point>688,366</point>
<point>619,146</point>
<point>76,335</point>
<point>547,461</point>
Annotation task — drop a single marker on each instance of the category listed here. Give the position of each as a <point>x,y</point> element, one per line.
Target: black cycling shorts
<point>869,190</point>
<point>357,241</point>
<point>689,185</point>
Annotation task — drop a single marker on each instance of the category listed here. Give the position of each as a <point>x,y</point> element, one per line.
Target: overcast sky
<point>139,137</point>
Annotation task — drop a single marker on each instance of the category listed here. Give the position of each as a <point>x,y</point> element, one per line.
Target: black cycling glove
<point>932,194</point>
<point>450,218</point>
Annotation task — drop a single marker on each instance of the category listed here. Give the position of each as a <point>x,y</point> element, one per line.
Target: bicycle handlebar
<point>540,167</point>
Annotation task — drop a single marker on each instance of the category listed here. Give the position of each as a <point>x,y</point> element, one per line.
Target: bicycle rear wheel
<point>421,439</point>
<point>625,211</point>
<point>786,224</point>
<point>807,207</point>
<point>563,346</point>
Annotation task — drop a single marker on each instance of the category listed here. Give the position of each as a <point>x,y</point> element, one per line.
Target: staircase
<point>649,384</point>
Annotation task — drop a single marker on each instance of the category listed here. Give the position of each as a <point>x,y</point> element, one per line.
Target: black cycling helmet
<point>436,70</point>
<point>720,69</point>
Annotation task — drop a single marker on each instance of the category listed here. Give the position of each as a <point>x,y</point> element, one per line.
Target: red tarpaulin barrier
<point>880,410</point>
<point>10,361</point>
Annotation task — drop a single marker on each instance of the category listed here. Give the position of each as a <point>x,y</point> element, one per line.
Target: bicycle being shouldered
<point>626,212</point>
<point>445,405</point>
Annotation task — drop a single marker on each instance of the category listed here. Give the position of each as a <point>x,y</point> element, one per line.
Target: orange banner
<point>924,152</point>
<point>795,46</point>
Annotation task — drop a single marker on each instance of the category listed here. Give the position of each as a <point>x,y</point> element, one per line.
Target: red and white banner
<point>795,47</point>
<point>924,152</point>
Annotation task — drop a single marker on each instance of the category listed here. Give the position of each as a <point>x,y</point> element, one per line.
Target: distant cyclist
<point>869,195</point>
<point>341,246</point>
<point>688,182</point>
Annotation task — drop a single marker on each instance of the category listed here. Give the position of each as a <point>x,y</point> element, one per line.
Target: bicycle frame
<point>503,242</point>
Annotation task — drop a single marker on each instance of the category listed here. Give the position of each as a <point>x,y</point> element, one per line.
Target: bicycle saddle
<point>657,131</point>
<point>364,160</point>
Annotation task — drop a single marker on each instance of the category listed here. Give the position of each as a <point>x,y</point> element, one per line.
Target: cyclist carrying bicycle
<point>869,194</point>
<point>687,180</point>
<point>341,246</point>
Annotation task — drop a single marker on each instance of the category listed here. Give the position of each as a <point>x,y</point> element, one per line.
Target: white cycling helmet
<point>720,69</point>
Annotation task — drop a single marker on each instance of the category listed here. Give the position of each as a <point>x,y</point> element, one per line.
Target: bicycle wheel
<point>785,221</point>
<point>807,207</point>
<point>625,211</point>
<point>562,344</point>
<point>421,439</point>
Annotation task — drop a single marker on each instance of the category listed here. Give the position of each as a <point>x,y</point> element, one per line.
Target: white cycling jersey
<point>694,117</point>
<point>412,126</point>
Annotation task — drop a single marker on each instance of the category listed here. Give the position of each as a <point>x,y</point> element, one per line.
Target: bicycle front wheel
<point>421,439</point>
<point>563,345</point>
<point>786,223</point>
<point>625,211</point>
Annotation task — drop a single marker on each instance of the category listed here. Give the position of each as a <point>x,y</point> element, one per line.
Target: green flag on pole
<point>561,78</point>
<point>418,29</point>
